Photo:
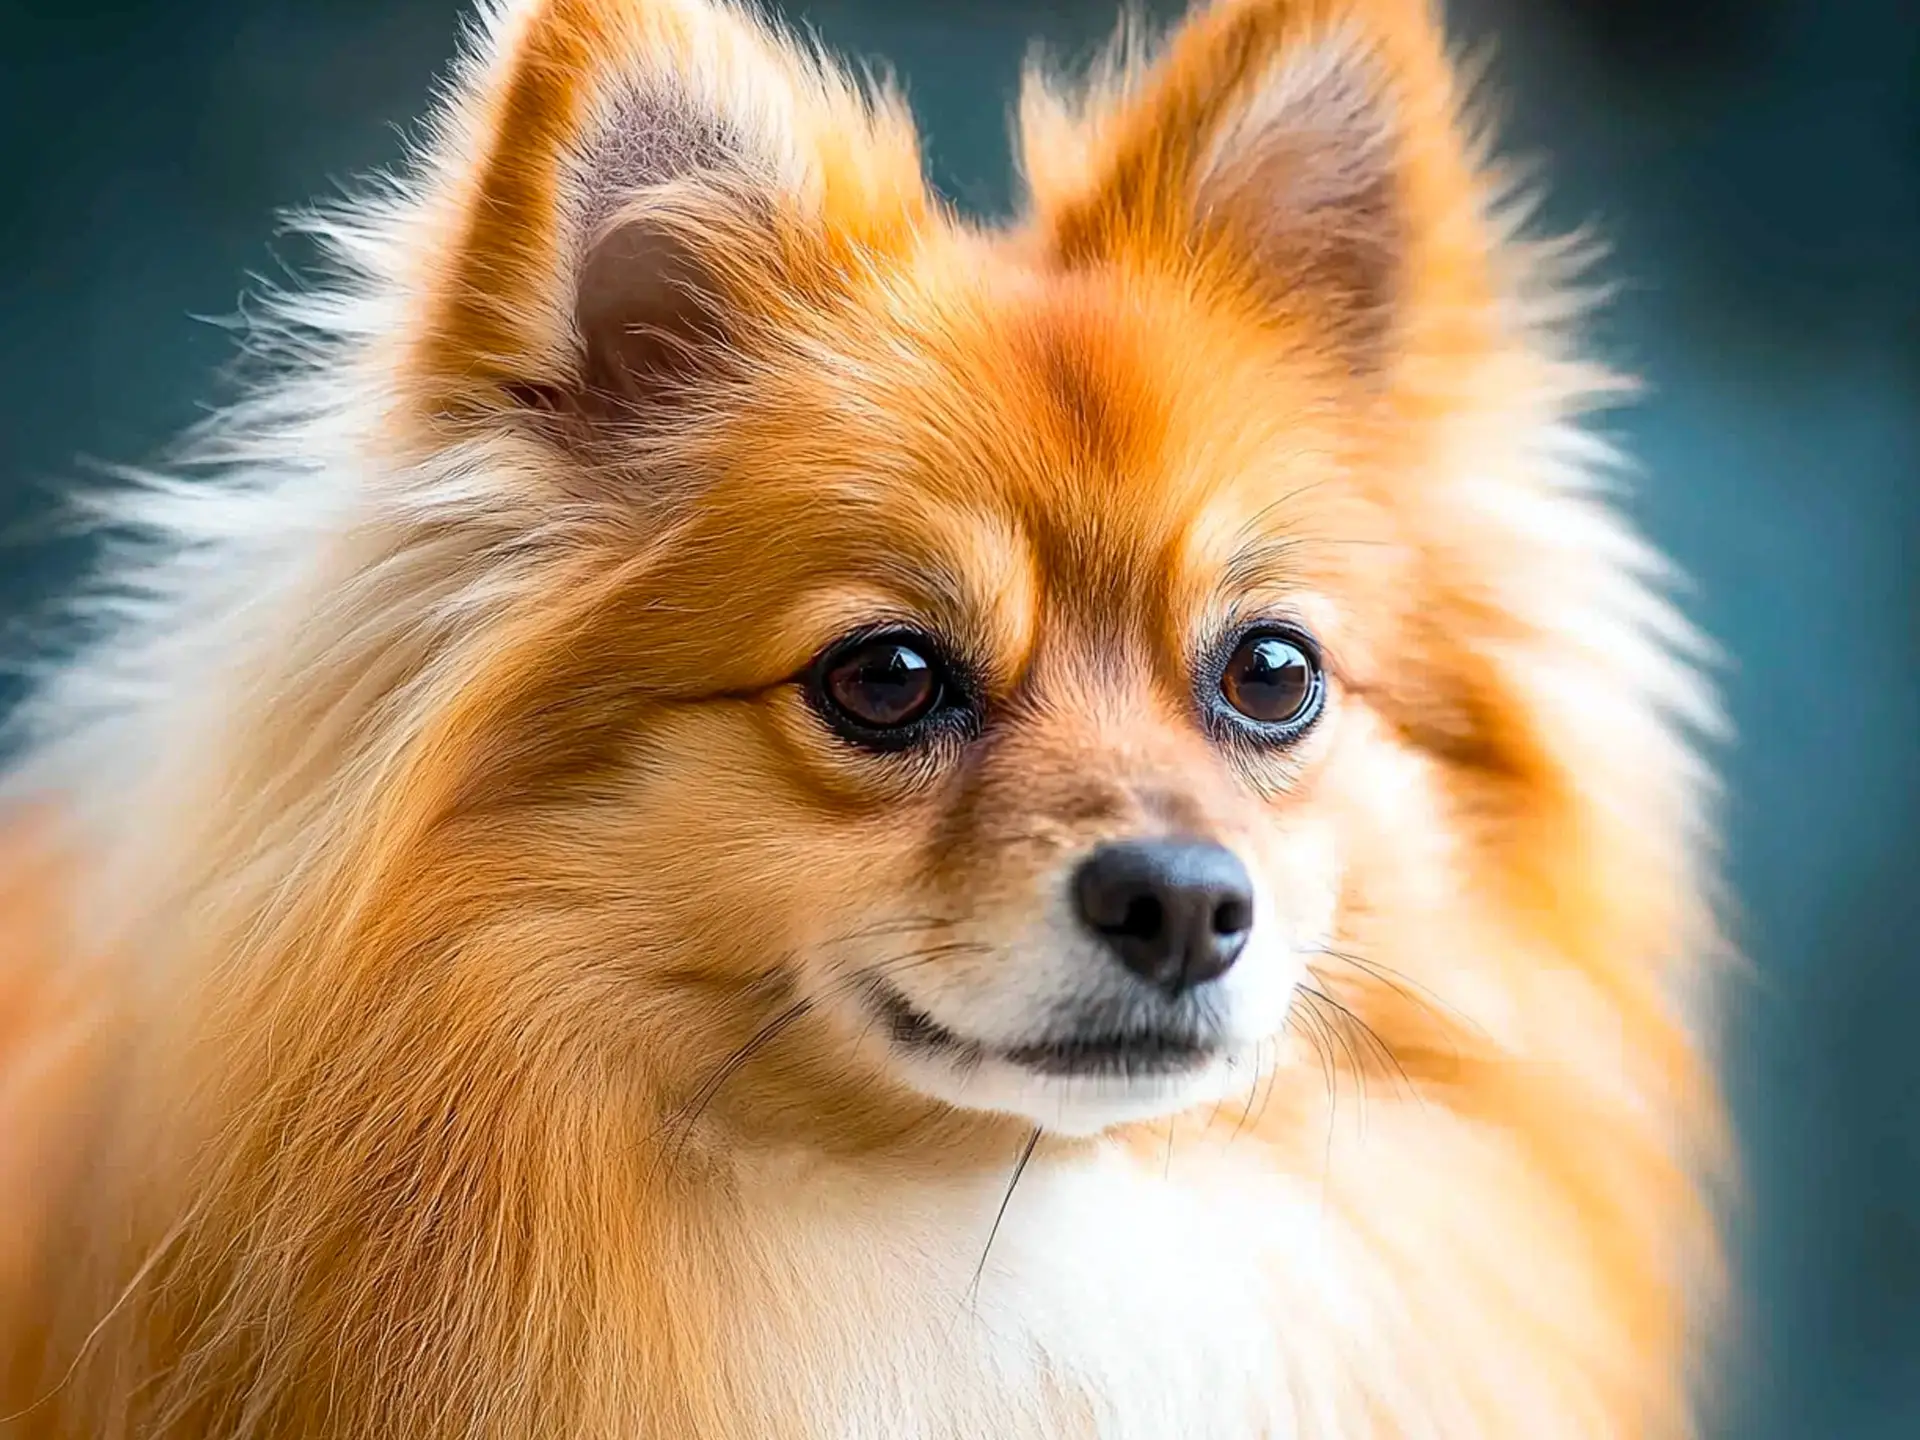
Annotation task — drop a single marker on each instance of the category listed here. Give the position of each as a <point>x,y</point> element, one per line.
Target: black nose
<point>1176,912</point>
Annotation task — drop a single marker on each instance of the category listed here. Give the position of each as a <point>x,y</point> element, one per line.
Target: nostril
<point>1232,916</point>
<point>1144,920</point>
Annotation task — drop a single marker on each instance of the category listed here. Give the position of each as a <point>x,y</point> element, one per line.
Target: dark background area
<point>1756,164</point>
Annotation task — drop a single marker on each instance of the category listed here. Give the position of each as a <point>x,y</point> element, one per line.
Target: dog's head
<point>1015,660</point>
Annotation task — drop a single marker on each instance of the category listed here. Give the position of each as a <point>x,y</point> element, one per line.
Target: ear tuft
<point>648,311</point>
<point>1303,177</point>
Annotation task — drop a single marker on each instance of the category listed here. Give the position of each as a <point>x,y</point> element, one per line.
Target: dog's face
<point>1011,659</point>
<point>1006,694</point>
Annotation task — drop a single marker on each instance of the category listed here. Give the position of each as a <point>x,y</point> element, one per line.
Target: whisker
<point>1372,1036</point>
<point>1341,1025</point>
<point>914,959</point>
<point>1375,1042</point>
<point>1214,1114</point>
<point>1317,997</point>
<point>1403,985</point>
<point>1266,1094</point>
<point>1315,1036</point>
<point>1259,1071</point>
<point>895,925</point>
<point>704,1097</point>
<point>1314,1025</point>
<point>798,1010</point>
<point>1019,1169</point>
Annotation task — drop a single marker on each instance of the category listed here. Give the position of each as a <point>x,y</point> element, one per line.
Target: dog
<point>728,805</point>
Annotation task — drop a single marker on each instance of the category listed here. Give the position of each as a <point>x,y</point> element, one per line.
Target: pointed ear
<point>1311,153</point>
<point>628,185</point>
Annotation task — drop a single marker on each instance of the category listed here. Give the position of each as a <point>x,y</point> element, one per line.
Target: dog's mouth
<point>1133,1053</point>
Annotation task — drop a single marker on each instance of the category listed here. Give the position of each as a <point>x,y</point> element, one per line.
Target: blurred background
<point>1756,164</point>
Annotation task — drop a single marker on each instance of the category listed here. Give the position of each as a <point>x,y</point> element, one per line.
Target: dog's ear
<point>626,185</point>
<point>1311,153</point>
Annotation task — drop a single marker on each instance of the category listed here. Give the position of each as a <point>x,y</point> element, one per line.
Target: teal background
<point>1757,164</point>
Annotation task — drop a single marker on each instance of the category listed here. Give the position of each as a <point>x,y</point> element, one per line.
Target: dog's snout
<point>1175,912</point>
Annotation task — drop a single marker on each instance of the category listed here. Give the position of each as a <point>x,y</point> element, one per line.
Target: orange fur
<point>478,894</point>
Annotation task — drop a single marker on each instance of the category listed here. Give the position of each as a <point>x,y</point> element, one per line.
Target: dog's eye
<point>883,690</point>
<point>1273,678</point>
<point>884,683</point>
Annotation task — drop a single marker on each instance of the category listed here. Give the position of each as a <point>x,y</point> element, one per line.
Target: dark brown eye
<point>1273,679</point>
<point>887,684</point>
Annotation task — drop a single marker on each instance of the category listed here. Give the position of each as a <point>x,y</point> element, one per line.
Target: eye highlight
<point>1271,684</point>
<point>887,691</point>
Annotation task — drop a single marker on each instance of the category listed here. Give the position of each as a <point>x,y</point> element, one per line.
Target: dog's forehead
<point>1089,414</point>
<point>1134,440</point>
<point>1088,448</point>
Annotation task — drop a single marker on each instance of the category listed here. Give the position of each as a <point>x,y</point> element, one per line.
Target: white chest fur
<point>1120,1298</point>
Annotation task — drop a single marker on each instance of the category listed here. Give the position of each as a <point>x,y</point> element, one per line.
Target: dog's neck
<point>1118,1286</point>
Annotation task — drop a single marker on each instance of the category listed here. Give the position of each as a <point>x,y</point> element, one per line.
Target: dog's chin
<point>1070,1084</point>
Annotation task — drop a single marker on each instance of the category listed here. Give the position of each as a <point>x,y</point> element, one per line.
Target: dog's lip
<point>912,1028</point>
<point>1160,1050</point>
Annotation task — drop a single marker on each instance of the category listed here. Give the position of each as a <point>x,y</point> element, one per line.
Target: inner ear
<point>649,314</point>
<point>1302,177</point>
